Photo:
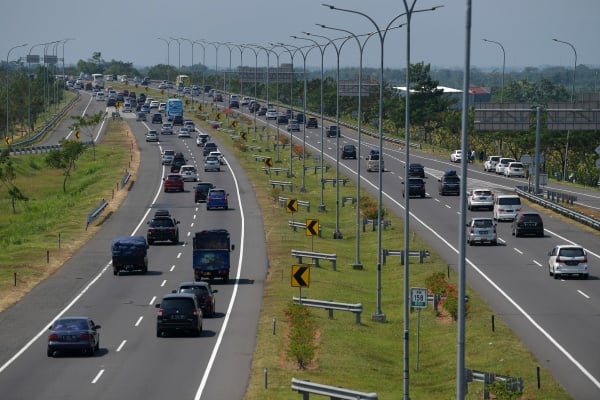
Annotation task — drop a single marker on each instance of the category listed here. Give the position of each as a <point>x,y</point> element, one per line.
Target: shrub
<point>436,283</point>
<point>302,333</point>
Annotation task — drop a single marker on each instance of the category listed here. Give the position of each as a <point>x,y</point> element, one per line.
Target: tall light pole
<point>409,10</point>
<point>30,127</point>
<point>168,42</point>
<point>572,101</point>
<point>178,54</point>
<point>322,51</point>
<point>7,88</point>
<point>252,49</point>
<point>200,42</point>
<point>503,66</point>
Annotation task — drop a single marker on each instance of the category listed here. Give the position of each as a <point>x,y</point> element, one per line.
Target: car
<point>184,132</point>
<point>480,198</point>
<point>490,163</point>
<point>449,183</point>
<point>416,170</point>
<point>481,230</point>
<point>219,155</point>
<point>111,102</point>
<point>217,198</point>
<point>178,161</point>
<point>528,223</point>
<point>188,123</point>
<point>349,151</point>
<point>333,131</point>
<point>205,295</point>
<point>178,120</point>
<point>254,106</point>
<point>140,116</point>
<point>568,259</point>
<point>271,114</point>
<point>173,182</point>
<point>212,163</point>
<point>293,126</point>
<point>163,228</point>
<point>201,191</point>
<point>162,107</point>
<point>262,111</point>
<point>299,118</point>
<point>100,96</point>
<point>162,85</point>
<point>202,139</point>
<point>514,169</point>
<point>188,173</point>
<point>151,136</point>
<point>312,123</point>
<point>178,312</point>
<point>167,157</point>
<point>374,160</point>
<point>154,104</point>
<point>73,334</point>
<point>127,107</point>
<point>166,128</point>
<point>506,207</point>
<point>157,118</point>
<point>208,147</point>
<point>142,98</point>
<point>456,156</point>
<point>502,164</point>
<point>245,101</point>
<point>218,97</point>
<point>282,119</point>
<point>416,187</point>
<point>234,104</point>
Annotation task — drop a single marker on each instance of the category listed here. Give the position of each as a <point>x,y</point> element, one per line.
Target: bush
<point>368,208</point>
<point>302,333</point>
<point>436,283</point>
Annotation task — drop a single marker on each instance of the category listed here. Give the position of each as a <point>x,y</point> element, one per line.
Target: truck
<point>211,250</point>
<point>129,253</point>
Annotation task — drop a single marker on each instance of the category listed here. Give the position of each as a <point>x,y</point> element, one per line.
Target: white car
<point>480,198</point>
<point>456,156</point>
<point>491,162</point>
<point>212,164</point>
<point>188,173</point>
<point>151,136</point>
<point>184,132</point>
<point>218,155</point>
<point>162,107</point>
<point>154,104</point>
<point>502,164</point>
<point>514,169</point>
<point>167,156</point>
<point>568,259</point>
<point>271,114</point>
<point>166,129</point>
<point>100,96</point>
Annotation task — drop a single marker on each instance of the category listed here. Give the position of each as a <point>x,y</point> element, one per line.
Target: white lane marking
<point>583,294</point>
<point>189,234</point>
<point>537,263</point>
<point>172,268</point>
<point>152,300</point>
<point>98,376</point>
<point>163,283</point>
<point>139,321</point>
<point>436,199</point>
<point>178,255</point>
<point>447,206</point>
<point>121,346</point>
<point>517,250</point>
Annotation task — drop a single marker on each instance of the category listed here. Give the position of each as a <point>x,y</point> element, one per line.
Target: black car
<point>142,98</point>
<point>205,295</point>
<point>300,118</point>
<point>163,228</point>
<point>177,162</point>
<point>312,122</point>
<point>157,118</point>
<point>416,170</point>
<point>449,183</point>
<point>178,120</point>
<point>349,151</point>
<point>282,119</point>
<point>416,187</point>
<point>234,104</point>
<point>73,334</point>
<point>262,111</point>
<point>333,131</point>
<point>201,191</point>
<point>528,223</point>
<point>208,147</point>
<point>178,312</point>
<point>112,102</point>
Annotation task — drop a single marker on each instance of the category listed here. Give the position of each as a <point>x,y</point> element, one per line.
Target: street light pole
<point>168,42</point>
<point>178,55</point>
<point>30,126</point>
<point>7,56</point>
<point>503,65</point>
<point>572,101</point>
<point>249,47</point>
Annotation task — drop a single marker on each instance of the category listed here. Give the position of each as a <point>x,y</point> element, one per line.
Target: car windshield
<point>571,252</point>
<point>212,158</point>
<point>200,291</point>
<point>483,223</point>
<point>482,193</point>
<point>509,201</point>
<point>70,325</point>
<point>162,222</point>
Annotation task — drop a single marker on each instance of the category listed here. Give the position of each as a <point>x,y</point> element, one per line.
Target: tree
<point>87,123</point>
<point>65,158</point>
<point>7,177</point>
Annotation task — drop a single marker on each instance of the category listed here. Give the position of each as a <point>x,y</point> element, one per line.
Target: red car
<point>173,182</point>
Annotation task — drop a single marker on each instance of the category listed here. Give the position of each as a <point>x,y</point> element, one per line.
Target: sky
<point>128,31</point>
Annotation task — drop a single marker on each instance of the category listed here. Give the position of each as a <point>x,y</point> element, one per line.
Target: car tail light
<point>160,312</point>
<point>85,336</point>
<point>494,229</point>
<point>195,311</point>
<point>53,337</point>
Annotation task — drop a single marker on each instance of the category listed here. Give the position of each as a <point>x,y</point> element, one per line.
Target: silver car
<point>212,164</point>
<point>480,198</point>
<point>482,230</point>
<point>568,259</point>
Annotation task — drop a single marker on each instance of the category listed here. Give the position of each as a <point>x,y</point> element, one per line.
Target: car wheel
<point>97,347</point>
<point>585,276</point>
<point>176,240</point>
<point>50,353</point>
<point>115,272</point>
<point>145,269</point>
<point>495,243</point>
<point>159,333</point>
<point>556,276</point>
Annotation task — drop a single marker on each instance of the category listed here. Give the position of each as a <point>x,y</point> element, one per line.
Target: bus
<point>98,81</point>
<point>182,81</point>
<point>174,107</point>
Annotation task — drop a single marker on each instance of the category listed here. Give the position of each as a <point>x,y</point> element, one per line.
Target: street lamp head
<point>331,7</point>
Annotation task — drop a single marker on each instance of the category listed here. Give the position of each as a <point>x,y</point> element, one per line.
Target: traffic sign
<point>233,124</point>
<point>312,227</point>
<point>300,275</point>
<point>244,135</point>
<point>418,297</point>
<point>268,161</point>
<point>77,134</point>
<point>291,205</point>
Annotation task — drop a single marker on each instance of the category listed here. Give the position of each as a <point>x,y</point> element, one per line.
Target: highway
<point>556,319</point>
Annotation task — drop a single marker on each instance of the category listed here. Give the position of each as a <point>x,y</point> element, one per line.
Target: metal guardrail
<point>315,256</point>
<point>357,308</point>
<point>577,216</point>
<point>366,221</point>
<point>125,179</point>
<point>94,214</point>
<point>277,170</point>
<point>334,392</point>
<point>421,254</point>
<point>282,184</point>
<point>334,181</point>
<point>295,225</point>
<point>513,384</point>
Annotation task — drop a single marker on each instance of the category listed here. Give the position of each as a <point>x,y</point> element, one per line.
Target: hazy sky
<point>128,31</point>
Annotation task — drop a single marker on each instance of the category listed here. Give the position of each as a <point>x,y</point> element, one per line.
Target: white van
<point>373,161</point>
<point>506,207</point>
<point>100,96</point>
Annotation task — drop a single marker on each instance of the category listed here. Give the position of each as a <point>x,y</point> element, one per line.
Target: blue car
<point>217,198</point>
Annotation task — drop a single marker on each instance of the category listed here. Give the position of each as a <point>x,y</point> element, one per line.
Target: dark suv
<point>528,223</point>
<point>416,170</point>
<point>449,183</point>
<point>157,118</point>
<point>333,131</point>
<point>178,120</point>
<point>201,191</point>
<point>178,312</point>
<point>177,162</point>
<point>349,151</point>
<point>208,147</point>
<point>205,295</point>
<point>312,122</point>
<point>415,187</point>
<point>163,227</point>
